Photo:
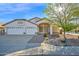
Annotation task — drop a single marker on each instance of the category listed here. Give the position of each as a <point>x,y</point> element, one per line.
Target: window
<point>31,27</point>
<point>20,22</point>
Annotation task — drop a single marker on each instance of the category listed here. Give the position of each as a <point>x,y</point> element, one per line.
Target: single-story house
<point>32,26</point>
<point>2,30</point>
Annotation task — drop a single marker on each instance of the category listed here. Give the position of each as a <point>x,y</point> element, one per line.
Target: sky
<point>11,11</point>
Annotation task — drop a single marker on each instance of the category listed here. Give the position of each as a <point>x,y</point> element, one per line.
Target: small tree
<point>62,14</point>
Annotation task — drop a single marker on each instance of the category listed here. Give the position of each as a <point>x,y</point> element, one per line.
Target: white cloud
<point>12,8</point>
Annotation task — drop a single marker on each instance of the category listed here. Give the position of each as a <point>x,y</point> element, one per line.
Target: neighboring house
<point>33,26</point>
<point>75,20</point>
<point>2,31</point>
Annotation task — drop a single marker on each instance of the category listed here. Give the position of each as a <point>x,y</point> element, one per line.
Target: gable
<point>43,21</point>
<point>30,24</point>
<point>15,23</point>
<point>20,22</point>
<point>34,20</point>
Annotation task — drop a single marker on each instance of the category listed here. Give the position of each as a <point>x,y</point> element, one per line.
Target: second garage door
<point>31,30</point>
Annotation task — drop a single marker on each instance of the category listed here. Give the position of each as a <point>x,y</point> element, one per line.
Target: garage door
<point>31,30</point>
<point>15,30</point>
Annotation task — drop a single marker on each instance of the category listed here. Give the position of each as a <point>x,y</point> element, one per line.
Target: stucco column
<point>51,32</point>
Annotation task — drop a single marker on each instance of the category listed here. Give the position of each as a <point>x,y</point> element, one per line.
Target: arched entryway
<point>44,28</point>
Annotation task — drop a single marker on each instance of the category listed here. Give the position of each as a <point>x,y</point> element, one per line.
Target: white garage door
<point>31,30</point>
<point>16,30</point>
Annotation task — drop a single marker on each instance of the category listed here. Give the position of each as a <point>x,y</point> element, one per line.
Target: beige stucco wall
<point>53,28</point>
<point>1,27</point>
<point>43,21</point>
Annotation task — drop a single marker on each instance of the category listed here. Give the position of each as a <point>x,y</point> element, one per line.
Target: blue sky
<point>10,11</point>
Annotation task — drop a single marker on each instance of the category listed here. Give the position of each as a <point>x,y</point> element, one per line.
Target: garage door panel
<point>31,30</point>
<point>15,31</point>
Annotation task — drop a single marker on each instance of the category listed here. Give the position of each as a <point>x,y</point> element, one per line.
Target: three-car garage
<point>21,30</point>
<point>20,27</point>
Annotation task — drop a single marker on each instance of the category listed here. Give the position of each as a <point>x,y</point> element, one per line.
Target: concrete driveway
<point>12,43</point>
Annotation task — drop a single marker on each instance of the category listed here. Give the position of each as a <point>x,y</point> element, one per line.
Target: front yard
<point>14,43</point>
